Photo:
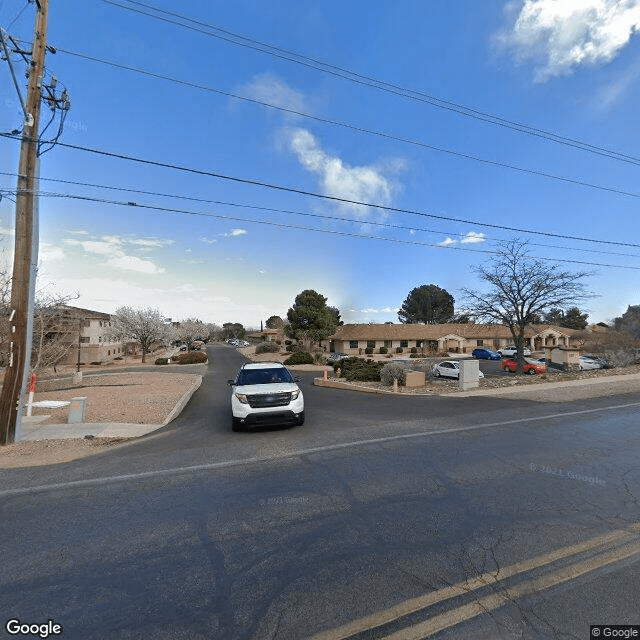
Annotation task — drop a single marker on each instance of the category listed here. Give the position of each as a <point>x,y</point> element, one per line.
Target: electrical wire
<point>312,194</point>
<point>352,127</point>
<point>347,74</point>
<point>314,229</point>
<point>300,213</point>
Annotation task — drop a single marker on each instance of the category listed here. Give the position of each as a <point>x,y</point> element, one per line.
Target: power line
<point>353,127</point>
<point>352,76</point>
<point>297,213</point>
<point>315,229</point>
<point>313,194</point>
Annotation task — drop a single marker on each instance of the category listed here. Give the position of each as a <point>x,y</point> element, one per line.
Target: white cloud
<point>208,240</point>
<point>49,253</point>
<point>472,237</point>
<point>133,263</point>
<point>559,35</point>
<point>112,247</point>
<point>359,183</point>
<point>235,233</point>
<point>269,88</point>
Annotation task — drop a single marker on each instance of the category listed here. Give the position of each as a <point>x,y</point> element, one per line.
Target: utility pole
<point>22,283</point>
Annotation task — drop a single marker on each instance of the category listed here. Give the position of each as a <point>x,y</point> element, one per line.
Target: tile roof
<point>436,331</point>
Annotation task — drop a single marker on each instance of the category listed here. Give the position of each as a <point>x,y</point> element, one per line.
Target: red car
<point>530,366</point>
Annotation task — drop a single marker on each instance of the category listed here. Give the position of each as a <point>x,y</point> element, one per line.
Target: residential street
<point>517,519</point>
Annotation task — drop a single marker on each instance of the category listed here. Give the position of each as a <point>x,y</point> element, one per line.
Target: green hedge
<point>267,347</point>
<point>162,360</point>
<point>359,369</point>
<point>299,357</point>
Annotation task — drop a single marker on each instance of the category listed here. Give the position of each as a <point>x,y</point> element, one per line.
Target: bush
<point>391,371</point>
<point>162,361</point>
<point>359,369</point>
<point>190,357</point>
<point>96,362</point>
<point>368,350</point>
<point>399,349</point>
<point>415,355</point>
<point>118,358</point>
<point>414,350</point>
<point>383,350</point>
<point>267,347</point>
<point>288,342</point>
<point>299,357</point>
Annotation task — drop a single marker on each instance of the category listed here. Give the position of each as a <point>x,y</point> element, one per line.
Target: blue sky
<point>561,66</point>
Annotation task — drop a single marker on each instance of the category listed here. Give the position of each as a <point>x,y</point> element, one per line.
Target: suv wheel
<point>300,421</point>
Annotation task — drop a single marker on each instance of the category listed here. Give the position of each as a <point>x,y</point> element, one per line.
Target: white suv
<point>510,351</point>
<point>265,393</point>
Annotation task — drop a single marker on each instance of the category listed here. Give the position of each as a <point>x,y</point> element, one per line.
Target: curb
<point>182,403</point>
<point>515,388</point>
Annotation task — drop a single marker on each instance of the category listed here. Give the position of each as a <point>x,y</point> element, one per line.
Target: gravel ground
<point>141,398</point>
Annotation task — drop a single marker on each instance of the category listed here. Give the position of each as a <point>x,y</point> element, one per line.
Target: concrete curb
<point>182,403</point>
<point>514,388</point>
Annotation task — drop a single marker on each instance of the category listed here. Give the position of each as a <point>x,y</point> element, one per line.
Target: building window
<point>371,344</point>
<point>387,343</point>
<point>404,343</point>
<point>479,343</point>
<point>419,343</point>
<point>353,344</point>
<point>84,340</point>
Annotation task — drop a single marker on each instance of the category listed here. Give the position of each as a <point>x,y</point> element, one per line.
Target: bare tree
<point>55,331</point>
<point>144,326</point>
<point>521,289</point>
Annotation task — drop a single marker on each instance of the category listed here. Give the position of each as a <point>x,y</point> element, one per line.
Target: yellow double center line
<point>605,549</point>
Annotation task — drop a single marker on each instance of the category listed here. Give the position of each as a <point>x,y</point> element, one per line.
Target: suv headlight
<point>242,398</point>
<point>295,394</point>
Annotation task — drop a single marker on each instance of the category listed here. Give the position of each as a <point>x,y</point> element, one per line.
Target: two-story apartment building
<point>89,335</point>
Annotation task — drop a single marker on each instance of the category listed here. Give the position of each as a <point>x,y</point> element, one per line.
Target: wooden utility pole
<point>22,282</point>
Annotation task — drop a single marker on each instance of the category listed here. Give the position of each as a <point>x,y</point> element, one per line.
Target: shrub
<point>383,350</point>
<point>162,361</point>
<point>267,347</point>
<point>118,358</point>
<point>414,355</point>
<point>190,357</point>
<point>414,350</point>
<point>288,342</point>
<point>299,357</point>
<point>391,371</point>
<point>359,369</point>
<point>368,350</point>
<point>96,362</point>
<point>399,349</point>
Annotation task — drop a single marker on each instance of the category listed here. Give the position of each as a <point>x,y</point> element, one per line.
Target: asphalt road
<point>404,517</point>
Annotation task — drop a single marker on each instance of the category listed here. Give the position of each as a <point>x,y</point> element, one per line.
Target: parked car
<point>530,366</point>
<point>336,356</point>
<point>449,369</point>
<point>265,393</point>
<point>590,362</point>
<point>510,351</point>
<point>485,354</point>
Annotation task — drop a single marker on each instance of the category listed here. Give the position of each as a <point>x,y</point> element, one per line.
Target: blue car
<point>485,354</point>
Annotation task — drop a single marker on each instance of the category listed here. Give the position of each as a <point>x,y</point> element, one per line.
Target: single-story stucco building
<point>353,339</point>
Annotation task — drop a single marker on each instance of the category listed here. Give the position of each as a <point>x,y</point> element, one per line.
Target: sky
<point>222,157</point>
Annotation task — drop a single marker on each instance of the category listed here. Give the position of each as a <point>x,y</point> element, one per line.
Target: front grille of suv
<point>266,400</point>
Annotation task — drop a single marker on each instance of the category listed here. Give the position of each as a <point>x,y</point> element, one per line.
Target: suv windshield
<point>263,376</point>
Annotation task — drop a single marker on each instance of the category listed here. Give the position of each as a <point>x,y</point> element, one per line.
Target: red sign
<point>32,383</point>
